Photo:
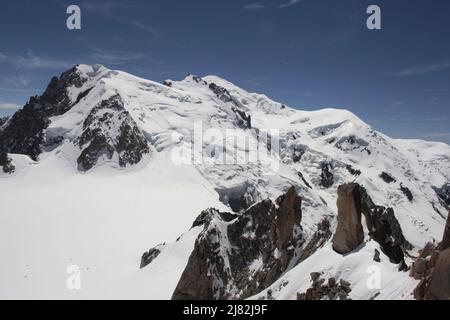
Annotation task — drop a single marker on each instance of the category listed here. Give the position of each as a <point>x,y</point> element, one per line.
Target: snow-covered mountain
<point>105,165</point>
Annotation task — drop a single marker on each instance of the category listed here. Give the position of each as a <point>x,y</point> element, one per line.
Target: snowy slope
<point>54,215</point>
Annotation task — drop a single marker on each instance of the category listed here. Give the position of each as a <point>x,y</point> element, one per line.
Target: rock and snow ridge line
<point>93,121</point>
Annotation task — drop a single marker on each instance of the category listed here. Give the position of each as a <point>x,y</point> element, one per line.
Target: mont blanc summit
<point>274,203</point>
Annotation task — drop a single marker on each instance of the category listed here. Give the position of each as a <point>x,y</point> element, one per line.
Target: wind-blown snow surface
<point>53,216</point>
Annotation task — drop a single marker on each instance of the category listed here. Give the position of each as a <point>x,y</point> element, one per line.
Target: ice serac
<point>349,233</point>
<point>24,132</point>
<point>236,257</point>
<point>108,130</point>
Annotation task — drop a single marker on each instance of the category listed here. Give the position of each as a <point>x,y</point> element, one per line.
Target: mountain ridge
<point>102,145</point>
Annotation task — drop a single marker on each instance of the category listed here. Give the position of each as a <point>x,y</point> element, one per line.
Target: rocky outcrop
<point>349,233</point>
<point>439,285</point>
<point>384,228</point>
<point>6,163</point>
<point>408,194</point>
<point>445,243</point>
<point>222,93</point>
<point>244,120</point>
<point>237,256</point>
<point>149,256</point>
<point>353,171</point>
<point>387,177</point>
<point>432,268</point>
<point>3,120</point>
<point>109,129</point>
<point>444,194</point>
<point>353,200</point>
<point>326,176</point>
<point>376,256</point>
<point>302,177</point>
<point>239,197</point>
<point>24,133</point>
<point>322,289</point>
<point>318,240</point>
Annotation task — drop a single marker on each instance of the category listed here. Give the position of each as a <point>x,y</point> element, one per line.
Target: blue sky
<point>308,54</point>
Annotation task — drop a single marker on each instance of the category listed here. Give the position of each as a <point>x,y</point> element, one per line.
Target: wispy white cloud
<point>114,10</point>
<point>9,106</point>
<point>289,4</point>
<point>421,70</point>
<point>436,135</point>
<point>18,90</point>
<point>106,9</point>
<point>31,61</point>
<point>401,119</point>
<point>145,27</point>
<point>254,6</point>
<point>113,57</point>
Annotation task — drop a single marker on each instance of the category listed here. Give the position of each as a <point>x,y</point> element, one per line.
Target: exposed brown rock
<point>239,257</point>
<point>384,228</point>
<point>445,243</point>
<point>349,233</point>
<point>331,290</point>
<point>439,286</point>
<point>432,268</point>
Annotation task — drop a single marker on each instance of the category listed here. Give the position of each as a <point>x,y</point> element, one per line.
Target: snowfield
<point>53,215</point>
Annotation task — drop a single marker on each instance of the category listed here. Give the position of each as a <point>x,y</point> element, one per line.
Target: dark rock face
<point>149,256</point>
<point>351,143</point>
<point>24,133</point>
<point>387,177</point>
<point>353,171</point>
<point>318,240</point>
<point>349,233</point>
<point>384,228</point>
<point>222,93</point>
<point>100,138</point>
<point>6,163</point>
<point>297,153</point>
<point>353,200</point>
<point>167,83</point>
<point>301,176</point>
<point>238,256</point>
<point>326,290</point>
<point>239,198</point>
<point>408,194</point>
<point>376,256</point>
<point>244,120</point>
<point>387,232</point>
<point>3,120</point>
<point>326,177</point>
<point>444,194</point>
